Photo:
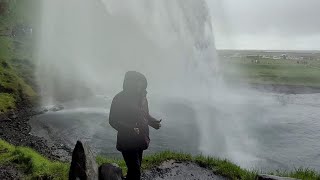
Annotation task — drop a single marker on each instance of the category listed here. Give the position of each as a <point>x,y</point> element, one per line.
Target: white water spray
<point>86,47</point>
<point>89,45</point>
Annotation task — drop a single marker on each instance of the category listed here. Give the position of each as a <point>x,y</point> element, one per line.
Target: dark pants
<point>133,161</point>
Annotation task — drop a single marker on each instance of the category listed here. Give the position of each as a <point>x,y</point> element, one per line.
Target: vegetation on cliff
<point>16,60</point>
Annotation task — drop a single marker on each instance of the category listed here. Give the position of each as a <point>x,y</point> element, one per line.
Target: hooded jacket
<point>129,110</point>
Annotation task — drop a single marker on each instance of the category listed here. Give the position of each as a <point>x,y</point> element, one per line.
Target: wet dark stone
<point>83,165</point>
<point>110,172</point>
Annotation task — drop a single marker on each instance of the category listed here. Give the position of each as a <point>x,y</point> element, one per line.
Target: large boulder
<point>110,172</point>
<point>271,177</point>
<point>83,165</point>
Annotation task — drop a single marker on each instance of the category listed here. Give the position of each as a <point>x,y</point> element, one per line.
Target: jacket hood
<point>134,82</point>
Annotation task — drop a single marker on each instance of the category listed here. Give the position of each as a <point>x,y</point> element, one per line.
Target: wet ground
<point>15,129</point>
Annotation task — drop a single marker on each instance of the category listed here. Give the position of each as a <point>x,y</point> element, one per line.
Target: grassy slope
<point>16,71</point>
<point>273,72</point>
<point>31,163</point>
<point>36,166</point>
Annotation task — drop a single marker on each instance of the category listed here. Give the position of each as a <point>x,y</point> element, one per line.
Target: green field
<point>284,72</point>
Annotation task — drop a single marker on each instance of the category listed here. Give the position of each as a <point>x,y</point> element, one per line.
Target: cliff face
<point>16,62</point>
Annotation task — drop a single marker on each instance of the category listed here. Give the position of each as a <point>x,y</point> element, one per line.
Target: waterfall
<point>86,46</point>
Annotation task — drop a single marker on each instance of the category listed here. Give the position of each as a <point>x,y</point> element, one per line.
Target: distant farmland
<point>271,71</point>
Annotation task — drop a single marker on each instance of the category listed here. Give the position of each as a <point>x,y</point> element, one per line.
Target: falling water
<point>86,46</point>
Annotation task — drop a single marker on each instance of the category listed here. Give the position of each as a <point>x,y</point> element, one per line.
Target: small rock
<point>110,172</point>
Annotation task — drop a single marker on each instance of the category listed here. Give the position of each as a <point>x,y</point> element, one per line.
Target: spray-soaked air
<point>86,47</point>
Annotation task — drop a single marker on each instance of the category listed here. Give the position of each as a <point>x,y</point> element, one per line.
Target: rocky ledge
<point>15,129</point>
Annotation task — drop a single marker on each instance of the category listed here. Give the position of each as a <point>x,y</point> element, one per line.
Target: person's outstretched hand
<point>158,124</point>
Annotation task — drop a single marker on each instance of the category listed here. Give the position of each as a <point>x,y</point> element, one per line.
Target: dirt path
<point>173,170</point>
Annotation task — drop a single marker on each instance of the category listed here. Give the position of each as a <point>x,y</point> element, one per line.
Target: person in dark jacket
<point>129,115</point>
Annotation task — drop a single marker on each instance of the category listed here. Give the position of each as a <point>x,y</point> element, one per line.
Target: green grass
<point>301,173</point>
<point>12,86</point>
<point>273,73</point>
<point>35,166</point>
<point>218,166</point>
<point>6,50</point>
<point>6,102</point>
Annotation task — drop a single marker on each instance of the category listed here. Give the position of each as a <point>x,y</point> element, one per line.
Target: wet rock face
<point>83,165</point>
<point>270,177</point>
<point>110,172</point>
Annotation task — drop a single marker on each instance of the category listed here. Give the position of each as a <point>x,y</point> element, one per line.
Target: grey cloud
<point>296,17</point>
<point>291,19</point>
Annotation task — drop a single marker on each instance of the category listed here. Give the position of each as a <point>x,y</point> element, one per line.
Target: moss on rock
<point>7,101</point>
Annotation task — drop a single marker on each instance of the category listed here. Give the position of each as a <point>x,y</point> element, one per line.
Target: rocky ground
<point>174,170</point>
<point>9,173</point>
<point>15,129</point>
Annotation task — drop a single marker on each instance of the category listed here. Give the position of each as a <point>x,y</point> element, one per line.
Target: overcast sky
<point>266,24</point>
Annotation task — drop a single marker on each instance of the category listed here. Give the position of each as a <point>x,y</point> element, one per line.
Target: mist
<point>90,48</point>
<point>85,48</point>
